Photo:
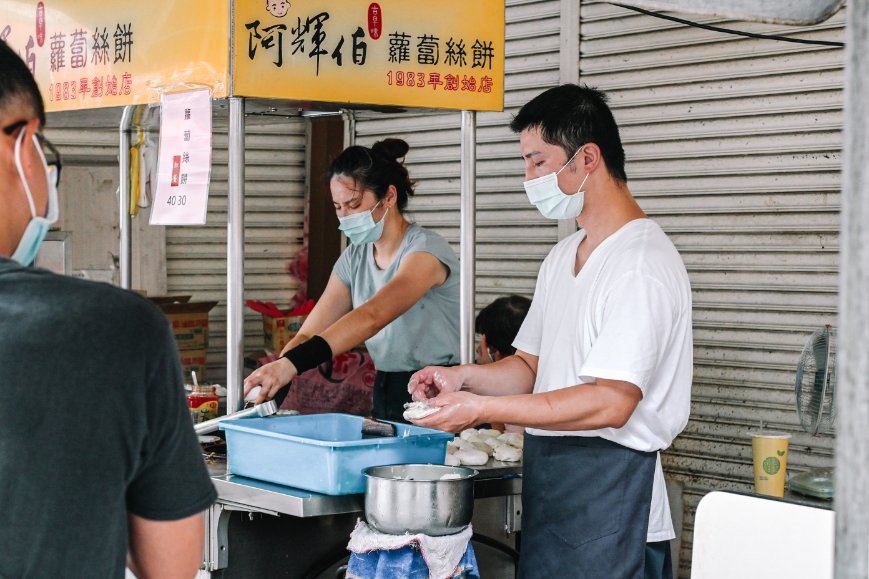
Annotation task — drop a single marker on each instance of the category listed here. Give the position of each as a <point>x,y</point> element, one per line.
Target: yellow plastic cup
<point>770,455</point>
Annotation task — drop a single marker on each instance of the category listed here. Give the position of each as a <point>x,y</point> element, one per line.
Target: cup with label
<point>770,456</point>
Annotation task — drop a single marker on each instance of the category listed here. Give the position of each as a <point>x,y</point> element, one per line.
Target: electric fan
<point>815,390</point>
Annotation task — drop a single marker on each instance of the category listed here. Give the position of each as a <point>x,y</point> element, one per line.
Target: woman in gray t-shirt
<point>396,286</point>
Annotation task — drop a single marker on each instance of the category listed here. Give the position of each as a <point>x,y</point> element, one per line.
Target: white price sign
<point>184,163</point>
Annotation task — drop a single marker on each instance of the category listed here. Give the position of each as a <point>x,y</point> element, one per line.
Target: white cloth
<point>626,316</point>
<point>441,554</point>
<point>660,519</point>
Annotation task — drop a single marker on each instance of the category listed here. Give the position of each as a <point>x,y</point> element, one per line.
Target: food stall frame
<point>852,527</point>
<point>237,494</point>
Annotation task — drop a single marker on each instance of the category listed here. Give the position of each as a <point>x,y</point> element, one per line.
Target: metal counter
<point>308,528</point>
<point>496,479</point>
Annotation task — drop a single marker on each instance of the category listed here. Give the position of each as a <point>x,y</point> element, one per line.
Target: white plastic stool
<point>750,536</point>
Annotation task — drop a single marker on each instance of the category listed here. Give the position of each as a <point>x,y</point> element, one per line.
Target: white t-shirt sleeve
<point>530,334</point>
<point>636,317</point>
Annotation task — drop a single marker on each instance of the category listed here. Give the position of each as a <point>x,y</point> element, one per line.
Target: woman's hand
<point>458,411</point>
<point>272,377</point>
<point>433,380</point>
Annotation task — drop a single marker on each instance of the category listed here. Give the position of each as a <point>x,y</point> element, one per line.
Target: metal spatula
<point>260,410</point>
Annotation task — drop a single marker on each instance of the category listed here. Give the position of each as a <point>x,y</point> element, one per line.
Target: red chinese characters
<point>375,21</point>
<point>40,24</point>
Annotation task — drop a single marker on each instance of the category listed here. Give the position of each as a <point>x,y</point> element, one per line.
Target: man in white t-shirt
<point>602,373</point>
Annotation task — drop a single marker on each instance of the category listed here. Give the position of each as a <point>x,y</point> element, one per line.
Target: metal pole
<point>468,238</point>
<point>125,220</point>
<point>852,443</point>
<point>235,258</point>
<point>568,72</point>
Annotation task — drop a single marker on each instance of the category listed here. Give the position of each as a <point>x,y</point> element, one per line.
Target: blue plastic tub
<point>323,453</point>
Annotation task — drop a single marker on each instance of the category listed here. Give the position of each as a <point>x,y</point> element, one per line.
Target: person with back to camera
<point>98,459</point>
<point>396,286</point>
<point>601,377</point>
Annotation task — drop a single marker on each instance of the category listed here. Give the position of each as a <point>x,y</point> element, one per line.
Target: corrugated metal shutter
<point>275,186</point>
<point>275,182</point>
<point>512,238</point>
<point>733,146</point>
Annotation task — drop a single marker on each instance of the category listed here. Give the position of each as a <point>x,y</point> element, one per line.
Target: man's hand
<point>272,377</point>
<point>458,411</point>
<point>433,380</point>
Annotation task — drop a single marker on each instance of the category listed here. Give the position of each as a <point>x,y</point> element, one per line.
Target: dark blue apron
<point>585,508</point>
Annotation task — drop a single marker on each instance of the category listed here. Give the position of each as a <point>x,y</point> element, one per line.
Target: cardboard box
<point>162,300</point>
<point>189,320</point>
<point>278,331</point>
<point>195,360</point>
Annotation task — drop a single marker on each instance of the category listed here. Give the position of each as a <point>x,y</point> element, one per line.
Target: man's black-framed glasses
<point>52,155</point>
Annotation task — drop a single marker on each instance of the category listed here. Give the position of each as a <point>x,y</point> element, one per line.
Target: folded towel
<point>380,556</point>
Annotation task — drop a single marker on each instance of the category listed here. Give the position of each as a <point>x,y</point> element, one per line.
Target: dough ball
<point>468,433</point>
<point>493,432</point>
<point>513,439</point>
<point>452,460</point>
<point>417,410</point>
<point>451,448</point>
<point>508,453</point>
<point>459,443</point>
<point>472,457</point>
<point>482,446</point>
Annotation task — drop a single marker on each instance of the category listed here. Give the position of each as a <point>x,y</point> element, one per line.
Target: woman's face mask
<point>545,194</point>
<point>38,226</point>
<point>360,227</point>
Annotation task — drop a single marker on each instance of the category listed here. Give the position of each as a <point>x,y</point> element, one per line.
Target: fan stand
<point>819,350</point>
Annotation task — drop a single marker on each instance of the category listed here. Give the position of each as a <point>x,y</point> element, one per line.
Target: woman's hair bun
<point>391,148</point>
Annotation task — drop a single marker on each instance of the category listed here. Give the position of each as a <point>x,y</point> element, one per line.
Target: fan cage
<point>816,383</point>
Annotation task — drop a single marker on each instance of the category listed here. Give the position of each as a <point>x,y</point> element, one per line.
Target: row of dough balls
<point>474,447</point>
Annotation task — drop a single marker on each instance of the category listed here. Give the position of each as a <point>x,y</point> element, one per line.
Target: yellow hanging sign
<point>444,54</point>
<point>92,53</point>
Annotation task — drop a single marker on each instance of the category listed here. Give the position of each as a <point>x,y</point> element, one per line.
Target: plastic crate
<point>323,453</point>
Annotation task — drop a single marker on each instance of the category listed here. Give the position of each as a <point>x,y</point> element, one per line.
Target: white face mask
<point>360,227</point>
<point>38,226</point>
<point>545,194</point>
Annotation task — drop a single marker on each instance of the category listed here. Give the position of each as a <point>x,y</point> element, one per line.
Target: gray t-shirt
<point>427,333</point>
<point>93,425</point>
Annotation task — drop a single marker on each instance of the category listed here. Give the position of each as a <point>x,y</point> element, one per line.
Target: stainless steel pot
<point>431,499</point>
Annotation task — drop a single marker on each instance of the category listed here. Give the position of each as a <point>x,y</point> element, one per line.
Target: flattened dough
<point>417,410</point>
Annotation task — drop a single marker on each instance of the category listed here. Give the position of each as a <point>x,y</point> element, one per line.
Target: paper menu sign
<point>184,159</point>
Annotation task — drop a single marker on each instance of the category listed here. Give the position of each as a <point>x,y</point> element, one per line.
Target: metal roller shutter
<point>733,146</point>
<point>195,256</point>
<point>275,188</point>
<point>512,238</point>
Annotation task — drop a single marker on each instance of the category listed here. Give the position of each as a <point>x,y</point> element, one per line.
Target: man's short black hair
<point>570,116</point>
<point>18,91</point>
<point>500,322</point>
